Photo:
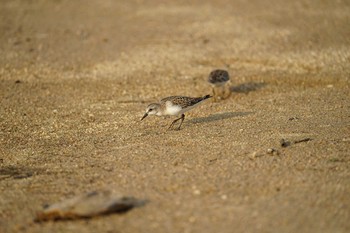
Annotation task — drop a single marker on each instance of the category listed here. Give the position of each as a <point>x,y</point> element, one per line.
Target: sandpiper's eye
<point>150,110</point>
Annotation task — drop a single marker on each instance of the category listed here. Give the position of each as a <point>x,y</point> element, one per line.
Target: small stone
<point>255,155</point>
<point>285,143</point>
<point>272,151</point>
<point>109,169</point>
<point>197,192</point>
<point>192,219</point>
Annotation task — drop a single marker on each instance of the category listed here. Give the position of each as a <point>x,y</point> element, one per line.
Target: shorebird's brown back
<point>184,101</point>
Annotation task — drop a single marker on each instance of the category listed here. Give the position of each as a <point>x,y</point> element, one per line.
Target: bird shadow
<point>16,172</point>
<point>218,117</point>
<point>247,87</point>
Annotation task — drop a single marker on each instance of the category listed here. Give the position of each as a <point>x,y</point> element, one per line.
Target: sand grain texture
<point>76,76</point>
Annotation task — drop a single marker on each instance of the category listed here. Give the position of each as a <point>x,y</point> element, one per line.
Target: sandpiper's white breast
<point>171,109</point>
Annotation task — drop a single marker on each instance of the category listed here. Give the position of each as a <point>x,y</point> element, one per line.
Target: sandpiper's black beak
<point>144,116</point>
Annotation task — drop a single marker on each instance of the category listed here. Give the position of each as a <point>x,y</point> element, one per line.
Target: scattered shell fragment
<point>88,205</point>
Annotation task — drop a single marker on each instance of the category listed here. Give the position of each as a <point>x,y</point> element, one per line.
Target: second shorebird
<point>174,106</point>
<point>218,79</point>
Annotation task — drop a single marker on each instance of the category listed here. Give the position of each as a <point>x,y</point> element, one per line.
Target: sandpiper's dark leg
<point>182,120</point>
<point>174,122</point>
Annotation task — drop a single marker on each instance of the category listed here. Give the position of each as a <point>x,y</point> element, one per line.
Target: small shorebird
<point>174,106</point>
<point>218,79</point>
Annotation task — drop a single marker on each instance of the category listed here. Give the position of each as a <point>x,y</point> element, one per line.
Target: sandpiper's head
<point>152,109</point>
<point>218,77</point>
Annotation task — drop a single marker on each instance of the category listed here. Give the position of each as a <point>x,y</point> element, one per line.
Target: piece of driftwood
<point>285,143</point>
<point>88,205</point>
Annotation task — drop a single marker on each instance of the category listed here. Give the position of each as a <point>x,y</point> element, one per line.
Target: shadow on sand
<point>16,172</point>
<point>247,87</point>
<point>218,117</point>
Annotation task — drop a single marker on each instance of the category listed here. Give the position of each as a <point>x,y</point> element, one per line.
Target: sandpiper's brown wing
<point>184,101</point>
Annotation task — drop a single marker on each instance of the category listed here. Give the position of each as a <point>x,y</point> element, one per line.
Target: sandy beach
<point>77,76</point>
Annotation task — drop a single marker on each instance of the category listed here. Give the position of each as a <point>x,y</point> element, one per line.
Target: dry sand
<point>76,77</point>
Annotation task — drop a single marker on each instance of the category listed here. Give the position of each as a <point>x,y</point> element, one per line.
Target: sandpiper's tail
<point>193,101</point>
<point>206,97</point>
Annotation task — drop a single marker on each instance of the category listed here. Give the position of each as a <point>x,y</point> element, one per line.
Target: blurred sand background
<point>76,76</point>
